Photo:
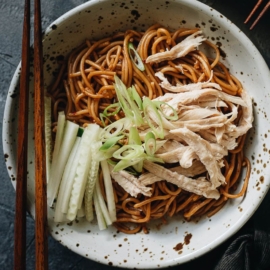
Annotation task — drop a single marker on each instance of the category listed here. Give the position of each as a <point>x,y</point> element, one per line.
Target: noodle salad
<point>145,126</point>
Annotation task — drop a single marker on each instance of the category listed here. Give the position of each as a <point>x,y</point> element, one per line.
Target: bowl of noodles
<point>176,97</point>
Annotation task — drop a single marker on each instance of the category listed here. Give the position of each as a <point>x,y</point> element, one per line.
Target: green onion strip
<point>121,138</point>
<point>135,57</point>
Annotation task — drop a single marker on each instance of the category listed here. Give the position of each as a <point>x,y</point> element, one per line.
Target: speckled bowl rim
<point>225,23</point>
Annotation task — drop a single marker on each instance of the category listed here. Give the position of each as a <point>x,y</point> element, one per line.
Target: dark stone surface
<point>11,16</point>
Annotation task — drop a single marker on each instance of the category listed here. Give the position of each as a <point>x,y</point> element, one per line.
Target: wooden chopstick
<point>259,16</point>
<point>41,243</point>
<point>21,183</point>
<point>40,152</point>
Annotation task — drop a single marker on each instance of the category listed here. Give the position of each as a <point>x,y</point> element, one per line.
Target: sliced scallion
<point>125,163</point>
<point>115,129</point>
<point>136,97</point>
<point>150,144</point>
<point>128,105</point>
<point>114,105</point>
<point>173,117</point>
<point>128,152</point>
<point>151,112</point>
<point>135,57</point>
<point>134,137</point>
<point>110,143</point>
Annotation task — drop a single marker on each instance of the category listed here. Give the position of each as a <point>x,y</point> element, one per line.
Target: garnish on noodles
<point>147,127</point>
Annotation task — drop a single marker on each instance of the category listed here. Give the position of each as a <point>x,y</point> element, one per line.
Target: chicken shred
<point>199,186</point>
<point>195,169</point>
<point>130,183</point>
<point>201,136</point>
<point>181,49</point>
<point>247,118</point>
<point>185,87</point>
<point>202,133</point>
<point>179,99</point>
<point>203,149</point>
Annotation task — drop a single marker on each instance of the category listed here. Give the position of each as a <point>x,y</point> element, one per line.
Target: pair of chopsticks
<point>260,15</point>
<point>41,244</point>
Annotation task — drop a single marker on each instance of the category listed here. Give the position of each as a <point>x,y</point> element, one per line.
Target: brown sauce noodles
<point>84,88</point>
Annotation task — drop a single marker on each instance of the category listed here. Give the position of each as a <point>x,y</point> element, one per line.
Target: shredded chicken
<point>212,103</point>
<point>226,142</point>
<point>168,146</point>
<point>199,186</point>
<point>247,118</point>
<point>201,136</point>
<point>174,155</point>
<point>195,169</point>
<point>185,87</point>
<point>179,99</point>
<point>203,149</point>
<point>202,133</point>
<point>130,183</point>
<point>196,113</point>
<point>181,49</point>
<point>185,155</point>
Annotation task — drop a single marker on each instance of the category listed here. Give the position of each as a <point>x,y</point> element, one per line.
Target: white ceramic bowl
<point>100,18</point>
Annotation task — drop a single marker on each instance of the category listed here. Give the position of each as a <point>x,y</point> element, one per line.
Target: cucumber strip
<point>59,216</point>
<point>100,219</point>
<point>68,178</point>
<point>94,168</point>
<point>90,134</point>
<point>102,204</point>
<point>48,135</point>
<point>66,184</point>
<point>81,212</point>
<point>69,137</point>
<point>109,190</point>
<point>91,182</point>
<point>61,121</point>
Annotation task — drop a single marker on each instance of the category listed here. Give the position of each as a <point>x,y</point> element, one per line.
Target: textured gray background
<point>11,16</point>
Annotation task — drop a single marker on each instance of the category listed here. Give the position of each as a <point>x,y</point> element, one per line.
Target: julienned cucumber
<point>91,182</point>
<point>48,135</point>
<point>61,206</point>
<point>109,190</point>
<point>76,163</point>
<point>60,158</point>
<point>90,135</point>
